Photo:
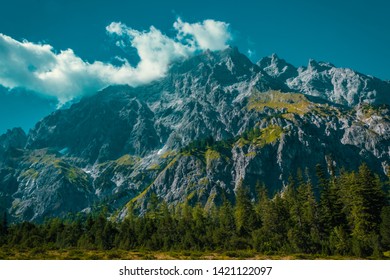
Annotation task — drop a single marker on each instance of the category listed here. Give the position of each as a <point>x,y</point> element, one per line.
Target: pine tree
<point>363,200</point>
<point>152,207</point>
<point>272,236</point>
<point>303,233</point>
<point>167,227</point>
<point>226,225</point>
<point>385,228</point>
<point>368,203</point>
<point>4,224</point>
<point>262,200</point>
<point>311,219</point>
<point>244,212</point>
<point>294,206</point>
<point>199,226</point>
<point>3,229</point>
<point>325,205</point>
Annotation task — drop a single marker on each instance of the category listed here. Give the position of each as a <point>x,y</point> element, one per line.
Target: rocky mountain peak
<point>277,67</point>
<point>227,65</point>
<point>313,65</point>
<point>13,138</point>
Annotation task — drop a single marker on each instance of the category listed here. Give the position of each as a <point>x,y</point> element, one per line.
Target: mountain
<point>214,121</point>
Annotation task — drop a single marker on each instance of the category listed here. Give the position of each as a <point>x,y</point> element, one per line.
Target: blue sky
<point>353,34</point>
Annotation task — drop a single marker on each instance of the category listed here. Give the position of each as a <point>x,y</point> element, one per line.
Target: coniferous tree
<point>71,234</point>
<point>185,222</point>
<point>325,205</point>
<point>262,210</point>
<point>244,211</point>
<point>341,199</point>
<point>304,230</point>
<point>385,228</point>
<point>366,210</point>
<point>53,229</point>
<point>152,207</point>
<point>363,200</point>
<point>4,223</point>
<point>262,199</point>
<point>294,206</point>
<point>167,227</point>
<point>3,227</point>
<point>126,237</point>
<point>311,219</point>
<point>275,224</point>
<point>226,225</point>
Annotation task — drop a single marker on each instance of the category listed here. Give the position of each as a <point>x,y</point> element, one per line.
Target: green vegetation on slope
<point>261,137</point>
<point>287,105</point>
<point>39,161</point>
<point>289,102</point>
<point>127,160</point>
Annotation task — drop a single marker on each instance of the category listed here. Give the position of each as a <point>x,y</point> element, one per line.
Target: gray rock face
<point>13,138</point>
<point>119,146</point>
<point>285,145</point>
<point>277,68</point>
<point>38,184</point>
<point>104,126</point>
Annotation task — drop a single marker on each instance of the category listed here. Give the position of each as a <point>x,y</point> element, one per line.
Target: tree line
<point>347,214</point>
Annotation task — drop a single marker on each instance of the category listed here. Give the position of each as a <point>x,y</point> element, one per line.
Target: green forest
<point>347,214</point>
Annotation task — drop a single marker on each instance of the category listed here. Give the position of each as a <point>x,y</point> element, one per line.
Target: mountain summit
<point>215,121</point>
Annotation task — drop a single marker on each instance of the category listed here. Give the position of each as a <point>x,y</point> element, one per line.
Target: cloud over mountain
<point>39,67</point>
<point>209,34</point>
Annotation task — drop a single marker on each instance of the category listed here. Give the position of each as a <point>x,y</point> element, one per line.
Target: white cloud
<point>64,75</point>
<point>116,28</point>
<point>209,34</point>
<point>155,50</point>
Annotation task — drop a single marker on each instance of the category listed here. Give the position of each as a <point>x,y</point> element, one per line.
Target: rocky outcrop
<point>13,138</point>
<point>98,128</point>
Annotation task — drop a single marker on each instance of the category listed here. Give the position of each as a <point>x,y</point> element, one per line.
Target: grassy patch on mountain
<point>154,166</point>
<point>76,176</point>
<point>168,154</point>
<point>203,181</point>
<point>42,157</point>
<point>31,173</point>
<point>211,155</point>
<point>270,134</point>
<point>41,160</point>
<point>369,110</point>
<point>261,137</point>
<point>288,102</point>
<point>127,160</point>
